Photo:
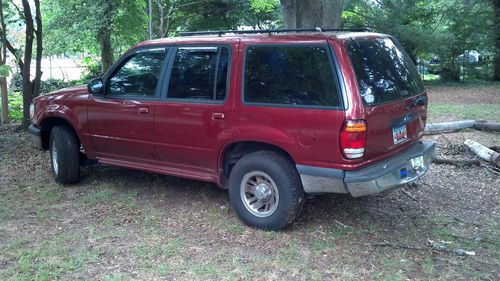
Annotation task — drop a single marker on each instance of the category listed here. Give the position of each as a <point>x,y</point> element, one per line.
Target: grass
<point>48,261</point>
<point>162,249</point>
<point>97,197</point>
<point>490,112</point>
<point>131,228</point>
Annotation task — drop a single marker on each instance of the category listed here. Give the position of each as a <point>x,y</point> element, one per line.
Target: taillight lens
<point>353,138</point>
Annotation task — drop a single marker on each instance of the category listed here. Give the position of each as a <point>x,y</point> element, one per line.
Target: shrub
<point>16,106</point>
<point>51,85</point>
<point>92,69</point>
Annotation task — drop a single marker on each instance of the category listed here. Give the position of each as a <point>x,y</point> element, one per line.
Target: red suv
<point>268,116</point>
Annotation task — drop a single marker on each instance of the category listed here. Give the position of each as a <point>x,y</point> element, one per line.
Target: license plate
<point>417,162</point>
<point>399,134</point>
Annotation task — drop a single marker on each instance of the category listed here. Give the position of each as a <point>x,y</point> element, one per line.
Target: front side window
<point>138,76</point>
<point>290,75</point>
<point>199,73</point>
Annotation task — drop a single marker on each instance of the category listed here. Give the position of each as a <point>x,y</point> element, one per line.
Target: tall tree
<point>312,13</point>
<point>102,28</point>
<point>3,67</point>
<point>33,35</point>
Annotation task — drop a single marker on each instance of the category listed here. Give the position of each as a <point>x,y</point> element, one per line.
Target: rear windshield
<point>384,71</point>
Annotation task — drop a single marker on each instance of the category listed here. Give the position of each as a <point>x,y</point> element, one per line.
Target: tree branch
<point>19,11</point>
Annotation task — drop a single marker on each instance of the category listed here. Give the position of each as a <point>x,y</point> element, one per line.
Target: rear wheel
<point>265,190</point>
<point>64,155</point>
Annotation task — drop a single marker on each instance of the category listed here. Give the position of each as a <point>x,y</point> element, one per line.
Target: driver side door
<point>121,121</point>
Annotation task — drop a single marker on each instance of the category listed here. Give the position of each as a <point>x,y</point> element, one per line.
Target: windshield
<point>384,71</point>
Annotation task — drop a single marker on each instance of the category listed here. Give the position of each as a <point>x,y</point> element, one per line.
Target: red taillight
<point>353,138</point>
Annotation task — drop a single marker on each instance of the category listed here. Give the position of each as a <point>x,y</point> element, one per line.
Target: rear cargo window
<point>290,75</point>
<point>384,71</point>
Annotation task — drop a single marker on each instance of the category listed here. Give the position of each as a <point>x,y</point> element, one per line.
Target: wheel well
<point>236,151</point>
<point>47,126</point>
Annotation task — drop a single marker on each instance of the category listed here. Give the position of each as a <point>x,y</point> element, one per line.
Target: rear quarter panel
<point>309,135</point>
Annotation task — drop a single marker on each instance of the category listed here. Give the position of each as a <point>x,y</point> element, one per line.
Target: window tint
<point>199,73</point>
<point>384,71</point>
<point>138,76</point>
<point>291,75</point>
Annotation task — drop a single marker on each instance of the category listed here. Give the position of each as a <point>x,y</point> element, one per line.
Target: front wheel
<point>64,155</point>
<point>265,190</point>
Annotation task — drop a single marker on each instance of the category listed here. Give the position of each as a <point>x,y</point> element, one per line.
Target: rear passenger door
<point>194,118</point>
<point>292,92</point>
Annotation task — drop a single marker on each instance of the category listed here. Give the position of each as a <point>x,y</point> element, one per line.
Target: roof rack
<point>269,31</point>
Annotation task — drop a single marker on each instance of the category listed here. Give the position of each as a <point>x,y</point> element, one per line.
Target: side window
<point>199,73</point>
<point>290,75</point>
<point>138,76</point>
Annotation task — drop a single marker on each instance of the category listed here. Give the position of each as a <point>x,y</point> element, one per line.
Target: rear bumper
<point>36,136</point>
<point>400,169</point>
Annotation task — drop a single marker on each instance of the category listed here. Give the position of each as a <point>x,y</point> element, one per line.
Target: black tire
<point>64,155</point>
<point>284,179</point>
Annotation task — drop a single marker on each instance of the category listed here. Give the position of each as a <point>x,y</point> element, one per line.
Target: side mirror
<point>95,86</point>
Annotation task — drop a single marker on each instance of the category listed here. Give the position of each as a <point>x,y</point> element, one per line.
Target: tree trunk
<point>3,59</point>
<point>496,61</point>
<point>312,13</point>
<point>26,71</point>
<point>104,35</point>
<point>39,51</point>
<point>5,100</point>
<point>106,49</point>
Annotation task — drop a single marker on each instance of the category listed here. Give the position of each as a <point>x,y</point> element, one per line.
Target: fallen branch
<point>441,247</point>
<point>495,148</point>
<point>453,126</point>
<point>409,195</point>
<point>343,225</point>
<point>483,152</point>
<point>447,127</point>
<point>455,162</point>
<point>491,169</point>
<point>485,126</point>
<point>410,247</point>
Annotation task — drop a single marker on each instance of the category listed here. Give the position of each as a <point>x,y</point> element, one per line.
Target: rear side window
<point>384,71</point>
<point>290,75</point>
<point>199,73</point>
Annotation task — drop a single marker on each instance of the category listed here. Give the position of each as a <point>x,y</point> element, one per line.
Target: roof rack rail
<point>269,31</point>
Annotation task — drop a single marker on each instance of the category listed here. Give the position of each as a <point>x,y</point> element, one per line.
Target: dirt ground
<point>465,94</point>
<point>120,224</point>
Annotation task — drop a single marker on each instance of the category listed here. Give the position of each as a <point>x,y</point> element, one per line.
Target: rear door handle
<point>218,116</point>
<point>143,110</point>
<point>421,100</point>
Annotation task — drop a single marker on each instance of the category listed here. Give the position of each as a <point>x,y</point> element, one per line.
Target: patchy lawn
<point>119,224</point>
<point>464,101</point>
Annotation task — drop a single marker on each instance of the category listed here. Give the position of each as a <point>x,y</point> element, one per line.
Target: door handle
<point>421,100</point>
<point>218,115</point>
<point>143,110</point>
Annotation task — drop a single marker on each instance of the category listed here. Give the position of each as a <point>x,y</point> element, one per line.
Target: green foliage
<point>74,26</point>
<point>47,86</point>
<point>16,106</point>
<point>442,28</point>
<point>51,85</point>
<point>5,70</point>
<point>92,69</point>
<point>16,84</point>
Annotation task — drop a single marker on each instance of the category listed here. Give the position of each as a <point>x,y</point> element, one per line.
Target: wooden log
<point>446,127</point>
<point>483,152</point>
<point>487,126</point>
<point>455,162</point>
